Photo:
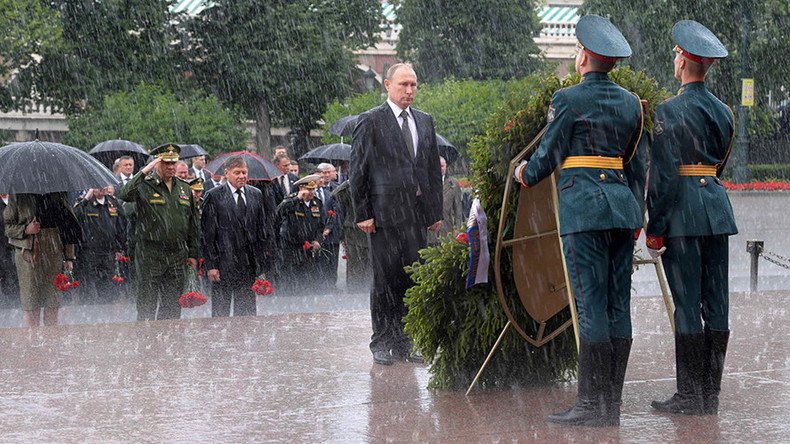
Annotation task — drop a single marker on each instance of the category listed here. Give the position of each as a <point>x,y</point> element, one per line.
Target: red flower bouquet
<point>462,238</point>
<point>262,287</point>
<point>331,213</point>
<point>65,281</point>
<point>117,276</point>
<point>191,297</point>
<point>306,245</point>
<point>123,259</point>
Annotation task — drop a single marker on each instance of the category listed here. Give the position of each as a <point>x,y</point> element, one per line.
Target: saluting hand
<point>150,167</point>
<point>368,226</point>
<point>34,227</point>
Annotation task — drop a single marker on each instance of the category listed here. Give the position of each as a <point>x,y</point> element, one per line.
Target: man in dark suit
<point>327,263</point>
<point>286,181</point>
<point>233,224</point>
<point>396,188</point>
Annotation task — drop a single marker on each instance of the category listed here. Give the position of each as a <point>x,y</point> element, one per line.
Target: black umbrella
<point>446,149</point>
<point>45,167</point>
<point>328,153</point>
<point>106,152</point>
<point>191,150</point>
<point>344,126</point>
<point>258,167</point>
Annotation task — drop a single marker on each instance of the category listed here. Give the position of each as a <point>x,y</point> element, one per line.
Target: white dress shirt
<point>412,125</point>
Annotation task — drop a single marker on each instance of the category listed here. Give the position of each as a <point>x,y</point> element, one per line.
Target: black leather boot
<point>591,408</point>
<point>621,350</point>
<point>689,363</point>
<point>715,349</point>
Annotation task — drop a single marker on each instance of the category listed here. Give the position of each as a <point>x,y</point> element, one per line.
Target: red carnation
<point>61,282</point>
<point>306,245</point>
<point>74,284</point>
<point>117,279</point>
<point>331,213</point>
<point>462,238</point>
<point>191,299</point>
<point>262,287</point>
<point>123,259</point>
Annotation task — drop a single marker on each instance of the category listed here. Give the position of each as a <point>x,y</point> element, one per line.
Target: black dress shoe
<point>408,355</point>
<point>383,357</point>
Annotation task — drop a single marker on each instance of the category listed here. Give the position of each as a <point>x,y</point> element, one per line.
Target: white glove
<point>656,253</point>
<point>519,169</point>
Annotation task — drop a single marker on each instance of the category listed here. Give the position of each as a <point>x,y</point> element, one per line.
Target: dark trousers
<point>236,287</point>
<point>697,274</point>
<point>9,284</point>
<point>327,264</point>
<point>161,277</point>
<point>599,266</point>
<point>95,270</point>
<point>391,249</point>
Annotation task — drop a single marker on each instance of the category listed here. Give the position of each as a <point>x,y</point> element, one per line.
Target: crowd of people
<point>134,238</point>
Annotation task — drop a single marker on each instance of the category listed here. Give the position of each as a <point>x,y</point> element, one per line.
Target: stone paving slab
<point>309,377</point>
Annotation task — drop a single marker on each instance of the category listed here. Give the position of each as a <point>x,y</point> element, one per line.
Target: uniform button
<point>603,177</point>
<point>703,181</point>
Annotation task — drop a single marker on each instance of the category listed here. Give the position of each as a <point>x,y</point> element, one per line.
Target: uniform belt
<point>611,163</point>
<point>697,170</point>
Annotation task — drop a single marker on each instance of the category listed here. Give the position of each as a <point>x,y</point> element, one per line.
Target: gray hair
<point>394,68</point>
<point>235,162</point>
<point>324,166</point>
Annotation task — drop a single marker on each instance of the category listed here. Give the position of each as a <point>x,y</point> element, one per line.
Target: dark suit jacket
<point>333,223</point>
<point>385,177</point>
<point>279,192</point>
<point>227,237</point>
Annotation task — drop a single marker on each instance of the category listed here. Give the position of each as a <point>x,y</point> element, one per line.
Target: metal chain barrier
<point>776,259</point>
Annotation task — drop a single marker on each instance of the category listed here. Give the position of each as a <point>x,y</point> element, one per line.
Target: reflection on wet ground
<point>309,377</point>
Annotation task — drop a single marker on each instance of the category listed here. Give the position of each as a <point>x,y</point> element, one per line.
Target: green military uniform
<point>166,234</point>
<point>691,215</point>
<point>594,135</point>
<point>104,229</point>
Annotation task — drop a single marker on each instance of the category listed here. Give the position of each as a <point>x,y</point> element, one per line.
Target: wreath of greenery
<point>455,328</point>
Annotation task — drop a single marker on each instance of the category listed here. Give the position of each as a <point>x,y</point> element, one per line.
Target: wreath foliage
<point>455,328</point>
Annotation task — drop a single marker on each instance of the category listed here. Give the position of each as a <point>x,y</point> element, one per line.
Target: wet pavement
<point>309,377</point>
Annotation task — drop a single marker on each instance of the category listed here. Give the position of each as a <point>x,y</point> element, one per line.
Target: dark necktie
<point>240,203</point>
<point>407,133</point>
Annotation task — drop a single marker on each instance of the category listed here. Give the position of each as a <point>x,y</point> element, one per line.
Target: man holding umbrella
<point>166,233</point>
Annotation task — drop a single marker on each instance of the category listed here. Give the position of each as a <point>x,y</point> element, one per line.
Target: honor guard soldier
<point>302,224</point>
<point>104,240</point>
<point>197,187</point>
<point>594,135</point>
<point>166,234</point>
<point>691,219</point>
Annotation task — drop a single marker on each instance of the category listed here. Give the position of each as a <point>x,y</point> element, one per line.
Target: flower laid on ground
<point>462,238</point>
<point>757,186</point>
<point>191,297</point>
<point>306,245</point>
<point>65,281</point>
<point>262,287</point>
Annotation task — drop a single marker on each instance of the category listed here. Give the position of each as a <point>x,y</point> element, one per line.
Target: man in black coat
<point>9,285</point>
<point>327,262</point>
<point>396,188</point>
<point>234,235</point>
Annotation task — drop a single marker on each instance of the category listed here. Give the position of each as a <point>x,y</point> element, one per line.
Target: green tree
<point>647,25</point>
<point>152,115</point>
<point>108,46</point>
<point>29,27</point>
<point>485,39</point>
<point>281,60</point>
<point>460,108</point>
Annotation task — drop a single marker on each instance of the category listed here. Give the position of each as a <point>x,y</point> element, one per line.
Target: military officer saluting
<point>166,234</point>
<point>691,219</point>
<point>104,240</point>
<point>301,230</point>
<point>593,135</point>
